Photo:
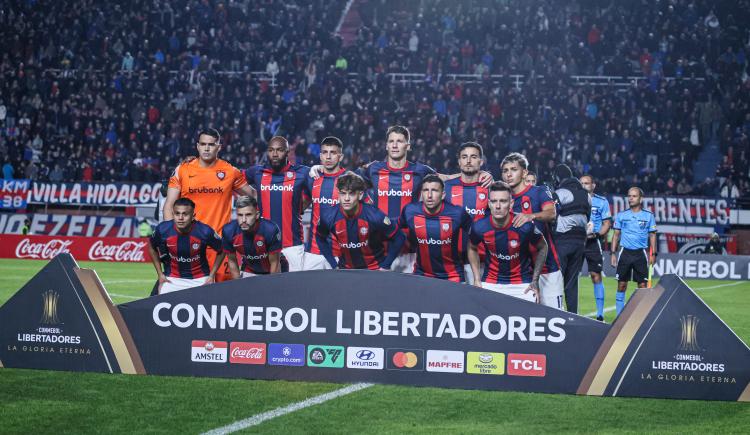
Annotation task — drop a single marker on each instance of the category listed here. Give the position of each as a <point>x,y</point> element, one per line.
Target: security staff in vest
<point>574,210</point>
<point>633,245</point>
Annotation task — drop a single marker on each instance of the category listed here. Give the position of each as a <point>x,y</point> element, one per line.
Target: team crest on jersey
<point>513,243</point>
<point>289,174</point>
<point>526,205</point>
<point>407,177</point>
<point>259,243</point>
<point>220,175</point>
<point>196,246</point>
<point>482,196</point>
<point>446,227</point>
<point>363,231</point>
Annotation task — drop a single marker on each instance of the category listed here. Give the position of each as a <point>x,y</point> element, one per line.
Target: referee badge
<point>220,175</point>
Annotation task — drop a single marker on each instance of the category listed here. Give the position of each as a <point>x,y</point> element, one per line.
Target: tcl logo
<point>527,364</point>
<point>43,251</point>
<point>247,353</point>
<point>125,251</point>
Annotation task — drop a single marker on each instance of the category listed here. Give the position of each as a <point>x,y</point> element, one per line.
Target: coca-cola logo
<point>247,353</point>
<point>124,251</point>
<point>42,250</point>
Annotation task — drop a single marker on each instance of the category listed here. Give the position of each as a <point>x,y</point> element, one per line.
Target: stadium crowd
<point>115,91</point>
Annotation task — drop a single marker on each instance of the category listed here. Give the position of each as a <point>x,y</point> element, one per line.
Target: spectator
<point>714,245</point>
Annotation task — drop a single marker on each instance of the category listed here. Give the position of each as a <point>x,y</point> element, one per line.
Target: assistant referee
<point>634,238</point>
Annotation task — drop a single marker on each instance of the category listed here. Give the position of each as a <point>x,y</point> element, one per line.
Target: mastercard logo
<point>405,360</point>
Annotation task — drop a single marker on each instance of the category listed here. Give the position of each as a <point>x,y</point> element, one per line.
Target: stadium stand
<point>655,94</point>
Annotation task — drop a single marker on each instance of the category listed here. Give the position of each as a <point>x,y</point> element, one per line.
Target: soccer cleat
<point>600,318</point>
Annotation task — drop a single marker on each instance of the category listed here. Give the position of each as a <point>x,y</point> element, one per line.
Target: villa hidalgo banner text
<point>352,326</point>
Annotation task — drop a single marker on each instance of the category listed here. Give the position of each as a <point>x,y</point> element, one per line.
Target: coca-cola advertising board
<point>83,248</point>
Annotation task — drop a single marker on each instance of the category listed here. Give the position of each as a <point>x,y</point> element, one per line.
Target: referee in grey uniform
<point>574,209</point>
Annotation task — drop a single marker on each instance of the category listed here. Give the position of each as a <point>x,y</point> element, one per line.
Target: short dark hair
<point>433,178</point>
<point>333,140</point>
<point>471,145</point>
<point>246,201</point>
<point>400,129</point>
<point>351,182</point>
<point>532,173</point>
<point>500,186</point>
<point>208,131</point>
<point>281,139</point>
<point>185,202</point>
<point>516,158</point>
<point>593,181</point>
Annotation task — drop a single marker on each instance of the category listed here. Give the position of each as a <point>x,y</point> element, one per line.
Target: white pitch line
<point>117,295</point>
<point>127,281</point>
<point>612,308</point>
<point>278,412</point>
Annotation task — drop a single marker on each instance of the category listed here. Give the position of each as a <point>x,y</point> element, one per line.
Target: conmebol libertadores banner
<point>348,326</point>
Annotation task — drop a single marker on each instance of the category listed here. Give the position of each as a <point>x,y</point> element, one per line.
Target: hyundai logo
<point>365,355</point>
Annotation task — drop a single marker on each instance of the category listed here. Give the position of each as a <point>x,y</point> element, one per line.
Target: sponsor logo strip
<point>405,359</point>
<point>247,353</point>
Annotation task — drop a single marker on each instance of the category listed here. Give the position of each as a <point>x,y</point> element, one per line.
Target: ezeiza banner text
<point>371,326</point>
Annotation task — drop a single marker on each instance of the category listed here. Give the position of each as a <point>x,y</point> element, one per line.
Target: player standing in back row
<point>210,183</point>
<point>634,238</point>
<point>283,194</point>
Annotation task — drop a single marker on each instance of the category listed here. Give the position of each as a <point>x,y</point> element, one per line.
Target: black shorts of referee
<point>632,265</point>
<point>593,255</point>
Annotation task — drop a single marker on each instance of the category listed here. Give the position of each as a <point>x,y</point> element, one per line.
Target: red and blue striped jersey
<point>280,198</point>
<point>438,239</point>
<point>185,252</point>
<point>509,258</point>
<point>393,188</point>
<point>531,200</point>
<point>253,246</point>
<point>473,197</point>
<point>324,194</point>
<point>360,238</point>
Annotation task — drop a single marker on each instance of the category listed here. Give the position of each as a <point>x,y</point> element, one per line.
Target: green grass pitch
<point>34,401</point>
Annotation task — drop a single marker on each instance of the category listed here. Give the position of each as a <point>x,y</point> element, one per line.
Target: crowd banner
<point>693,266</point>
<point>70,225</point>
<point>84,248</point>
<point>13,194</point>
<point>94,194</point>
<point>679,210</point>
<point>370,326</point>
<point>696,243</point>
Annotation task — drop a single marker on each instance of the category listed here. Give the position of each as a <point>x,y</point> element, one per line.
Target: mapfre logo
<point>42,251</point>
<point>527,364</point>
<point>448,361</point>
<point>125,251</point>
<point>247,353</point>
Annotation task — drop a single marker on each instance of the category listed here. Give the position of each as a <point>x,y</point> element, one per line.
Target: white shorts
<point>315,262</point>
<point>404,263</point>
<point>176,284</point>
<point>469,275</point>
<point>515,290</point>
<point>551,285</point>
<point>295,256</point>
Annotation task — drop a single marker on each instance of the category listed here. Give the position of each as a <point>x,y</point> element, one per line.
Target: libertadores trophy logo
<point>689,339</point>
<point>49,308</point>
